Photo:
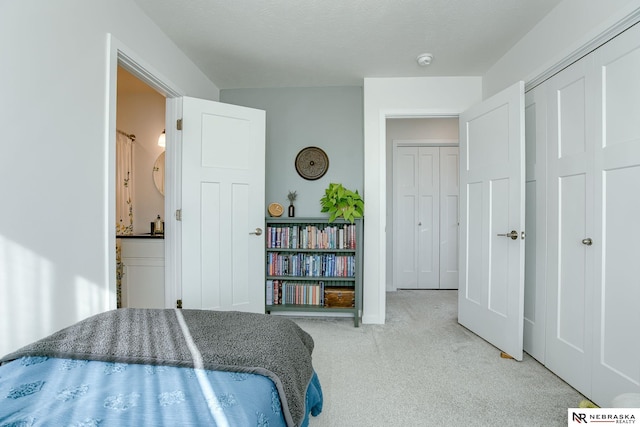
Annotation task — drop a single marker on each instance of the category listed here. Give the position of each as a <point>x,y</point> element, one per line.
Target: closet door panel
<point>572,274</point>
<point>570,206</point>
<point>406,239</point>
<point>620,293</point>
<point>621,92</point>
<point>617,171</point>
<point>449,190</point>
<point>428,219</point>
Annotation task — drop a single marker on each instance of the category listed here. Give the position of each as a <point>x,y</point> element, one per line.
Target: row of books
<point>310,265</point>
<point>285,292</point>
<point>311,236</point>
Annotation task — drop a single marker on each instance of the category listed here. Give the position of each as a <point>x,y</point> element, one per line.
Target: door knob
<point>257,232</point>
<point>513,235</point>
<point>587,241</point>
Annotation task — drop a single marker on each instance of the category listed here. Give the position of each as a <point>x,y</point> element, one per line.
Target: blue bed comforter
<point>38,391</point>
<point>189,346</point>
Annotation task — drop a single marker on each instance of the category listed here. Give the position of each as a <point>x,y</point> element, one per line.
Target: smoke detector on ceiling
<point>424,59</point>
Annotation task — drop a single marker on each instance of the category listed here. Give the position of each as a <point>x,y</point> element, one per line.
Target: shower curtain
<point>124,203</point>
<point>124,173</point>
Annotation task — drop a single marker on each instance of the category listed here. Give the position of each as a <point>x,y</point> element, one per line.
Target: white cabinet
<point>143,273</point>
<point>425,217</point>
<point>592,229</point>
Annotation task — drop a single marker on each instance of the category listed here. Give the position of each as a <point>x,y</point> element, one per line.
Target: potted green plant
<point>341,202</point>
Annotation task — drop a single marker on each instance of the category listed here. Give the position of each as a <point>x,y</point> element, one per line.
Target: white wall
<point>54,235</point>
<point>564,30</point>
<point>143,114</point>
<point>325,117</point>
<point>397,97</point>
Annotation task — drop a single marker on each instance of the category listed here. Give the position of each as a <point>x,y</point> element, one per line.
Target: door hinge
<point>178,214</point>
<point>179,303</point>
<point>179,124</point>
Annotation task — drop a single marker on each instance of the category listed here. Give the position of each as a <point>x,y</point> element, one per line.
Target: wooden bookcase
<point>306,257</point>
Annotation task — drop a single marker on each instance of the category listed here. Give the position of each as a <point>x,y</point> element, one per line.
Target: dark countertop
<point>141,236</point>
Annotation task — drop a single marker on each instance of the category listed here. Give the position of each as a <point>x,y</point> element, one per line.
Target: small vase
<point>292,211</point>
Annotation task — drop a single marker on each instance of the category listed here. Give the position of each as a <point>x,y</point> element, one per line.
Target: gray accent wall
<point>330,118</point>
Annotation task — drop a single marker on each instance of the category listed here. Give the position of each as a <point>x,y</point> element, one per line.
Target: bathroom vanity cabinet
<point>143,272</point>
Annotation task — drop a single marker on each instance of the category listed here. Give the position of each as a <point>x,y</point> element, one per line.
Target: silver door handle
<point>513,235</point>
<point>587,241</point>
<point>258,231</point>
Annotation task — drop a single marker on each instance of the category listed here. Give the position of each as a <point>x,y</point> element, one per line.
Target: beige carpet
<point>423,369</point>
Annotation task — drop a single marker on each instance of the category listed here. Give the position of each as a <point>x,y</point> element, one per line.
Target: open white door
<point>223,178</point>
<point>491,290</point>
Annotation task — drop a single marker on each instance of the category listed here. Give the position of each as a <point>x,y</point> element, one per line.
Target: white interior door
<point>405,241</point>
<point>491,291</point>
<point>223,177</point>
<point>417,210</point>
<point>428,224</point>
<point>570,203</point>
<point>426,217</point>
<point>616,363</point>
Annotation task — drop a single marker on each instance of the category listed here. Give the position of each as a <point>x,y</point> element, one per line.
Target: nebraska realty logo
<point>582,416</point>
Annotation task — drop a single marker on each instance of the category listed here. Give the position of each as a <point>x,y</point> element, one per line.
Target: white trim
<point>425,142</point>
<point>137,66</point>
<point>419,114</point>
<point>172,202</point>
<point>379,316</point>
<point>603,37</point>
<point>120,54</point>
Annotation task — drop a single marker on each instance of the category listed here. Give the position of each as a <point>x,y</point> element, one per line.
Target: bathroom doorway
<point>140,259</point>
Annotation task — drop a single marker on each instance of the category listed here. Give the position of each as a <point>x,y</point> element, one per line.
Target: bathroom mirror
<point>158,173</point>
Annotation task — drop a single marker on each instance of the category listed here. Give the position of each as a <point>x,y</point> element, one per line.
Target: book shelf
<point>314,266</point>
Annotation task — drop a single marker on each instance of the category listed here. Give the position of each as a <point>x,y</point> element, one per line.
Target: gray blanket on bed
<point>218,340</point>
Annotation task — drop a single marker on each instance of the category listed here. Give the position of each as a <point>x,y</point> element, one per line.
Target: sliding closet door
<point>616,367</point>
<point>570,203</point>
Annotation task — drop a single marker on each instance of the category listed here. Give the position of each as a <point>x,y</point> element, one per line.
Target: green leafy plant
<point>340,202</point>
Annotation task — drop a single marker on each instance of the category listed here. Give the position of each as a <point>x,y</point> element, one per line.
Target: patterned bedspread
<point>43,391</point>
<point>224,341</point>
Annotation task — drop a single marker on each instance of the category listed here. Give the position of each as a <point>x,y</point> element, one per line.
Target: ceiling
<point>301,43</point>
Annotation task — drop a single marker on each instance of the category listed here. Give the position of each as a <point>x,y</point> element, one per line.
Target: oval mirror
<point>158,173</point>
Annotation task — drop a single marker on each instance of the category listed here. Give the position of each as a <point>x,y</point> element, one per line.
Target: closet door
<point>535,222</point>
<point>416,234</point>
<point>570,220</point>
<point>616,367</point>
<point>449,218</point>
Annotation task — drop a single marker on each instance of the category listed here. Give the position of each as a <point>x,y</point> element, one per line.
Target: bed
<point>164,367</point>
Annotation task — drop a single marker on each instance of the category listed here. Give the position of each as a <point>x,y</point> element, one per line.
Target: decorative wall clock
<point>312,163</point>
<point>275,209</point>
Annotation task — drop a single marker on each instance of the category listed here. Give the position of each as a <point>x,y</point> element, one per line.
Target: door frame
<point>429,142</point>
<point>386,161</point>
<point>120,54</point>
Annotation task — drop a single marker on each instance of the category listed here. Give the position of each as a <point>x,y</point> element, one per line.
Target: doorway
<point>431,133</point>
<point>140,259</point>
<point>122,56</point>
